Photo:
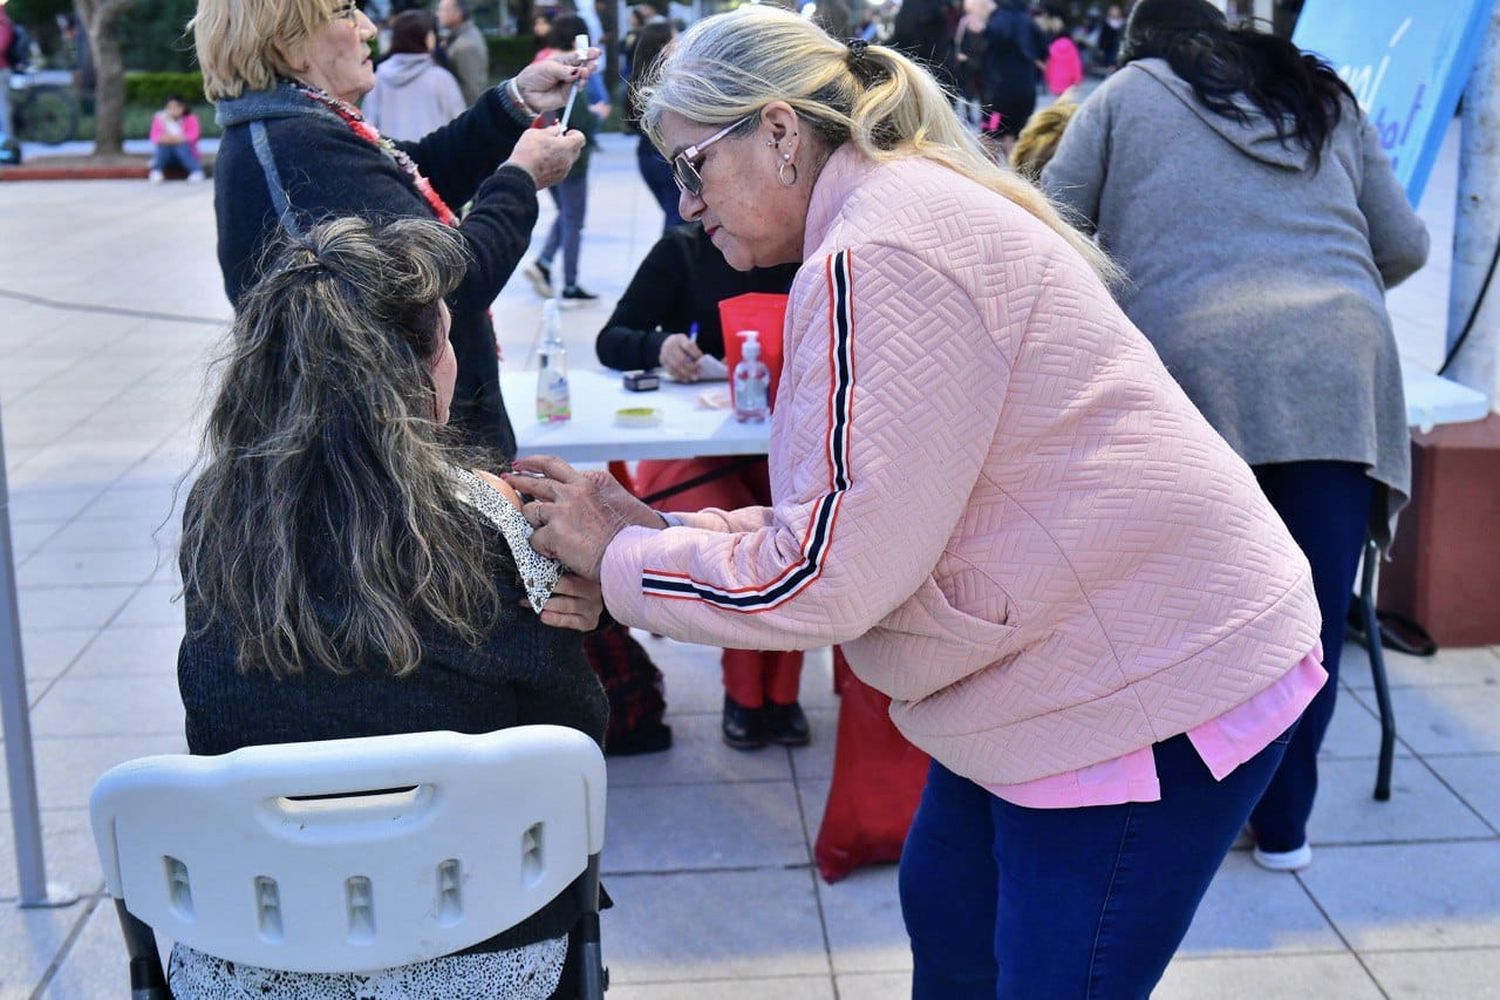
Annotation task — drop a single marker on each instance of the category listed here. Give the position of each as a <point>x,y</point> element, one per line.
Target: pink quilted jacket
<point>987,487</point>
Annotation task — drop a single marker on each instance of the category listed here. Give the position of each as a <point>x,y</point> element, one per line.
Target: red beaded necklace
<point>357,124</point>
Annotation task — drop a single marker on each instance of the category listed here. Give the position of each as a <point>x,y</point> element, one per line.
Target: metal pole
<point>1476,225</point>
<point>31,866</point>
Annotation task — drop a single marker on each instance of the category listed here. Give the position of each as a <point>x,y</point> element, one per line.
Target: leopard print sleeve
<point>538,573</point>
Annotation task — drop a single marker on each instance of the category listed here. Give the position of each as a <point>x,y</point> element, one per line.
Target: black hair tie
<point>865,70</point>
<point>857,47</point>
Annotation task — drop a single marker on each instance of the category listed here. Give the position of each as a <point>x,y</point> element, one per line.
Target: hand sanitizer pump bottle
<point>752,383</point>
<point>553,405</point>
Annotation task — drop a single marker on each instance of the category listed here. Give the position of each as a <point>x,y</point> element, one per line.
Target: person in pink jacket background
<point>985,485</point>
<point>1064,64</point>
<point>174,136</point>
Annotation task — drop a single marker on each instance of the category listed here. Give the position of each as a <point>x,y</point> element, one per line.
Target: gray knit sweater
<point>1260,281</point>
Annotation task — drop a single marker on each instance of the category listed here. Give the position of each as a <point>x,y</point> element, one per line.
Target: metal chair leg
<point>1377,671</point>
<point>147,980</point>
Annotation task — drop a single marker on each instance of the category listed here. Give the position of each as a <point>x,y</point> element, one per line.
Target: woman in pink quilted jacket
<point>988,488</point>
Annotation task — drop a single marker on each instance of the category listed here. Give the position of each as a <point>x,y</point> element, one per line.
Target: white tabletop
<point>1433,400</point>
<point>689,431</point>
<point>686,431</point>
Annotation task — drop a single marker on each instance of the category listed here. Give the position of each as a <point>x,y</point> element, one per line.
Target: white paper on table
<point>710,369</point>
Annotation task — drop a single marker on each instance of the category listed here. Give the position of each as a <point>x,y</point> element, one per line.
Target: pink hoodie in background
<point>1064,66</point>
<point>188,126</point>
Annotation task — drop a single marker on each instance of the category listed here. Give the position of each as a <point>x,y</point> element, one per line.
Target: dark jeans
<point>1055,904</point>
<point>1326,506</point>
<point>180,155</point>
<point>572,198</point>
<point>657,173</point>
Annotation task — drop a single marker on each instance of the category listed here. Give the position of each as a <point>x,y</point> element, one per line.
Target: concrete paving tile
<point>816,759</point>
<point>875,986</point>
<point>67,767</point>
<point>124,650</point>
<point>712,925</point>
<point>29,940</point>
<point>48,652</point>
<point>783,988</point>
<point>1410,896</point>
<point>137,532</point>
<point>1269,976</point>
<point>70,608</point>
<point>154,604</point>
<point>49,503</point>
<point>813,794</point>
<point>1249,911</point>
<point>97,965</point>
<point>1419,975</point>
<point>49,568</point>
<point>26,537</point>
<point>659,828</point>
<point>67,848</point>
<point>1447,719</point>
<point>699,755</point>
<point>1475,665</point>
<point>109,706</point>
<point>1355,731</point>
<point>862,915</point>
<point>1476,779</point>
<point>1420,807</point>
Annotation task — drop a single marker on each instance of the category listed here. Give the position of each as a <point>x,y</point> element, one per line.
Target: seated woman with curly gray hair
<point>346,573</point>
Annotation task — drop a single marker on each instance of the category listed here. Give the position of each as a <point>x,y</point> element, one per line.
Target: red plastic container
<point>763,312</point>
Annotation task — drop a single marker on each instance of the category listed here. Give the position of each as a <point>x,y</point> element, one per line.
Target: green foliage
<point>509,54</point>
<point>34,13</point>
<point>154,35</point>
<point>150,90</point>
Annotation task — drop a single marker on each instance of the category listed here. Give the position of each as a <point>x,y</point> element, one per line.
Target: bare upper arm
<point>500,486</point>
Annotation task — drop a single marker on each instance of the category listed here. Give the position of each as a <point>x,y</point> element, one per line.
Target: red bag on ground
<point>763,312</point>
<point>877,781</point>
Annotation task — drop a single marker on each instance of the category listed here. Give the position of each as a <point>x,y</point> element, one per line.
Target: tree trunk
<point>102,17</point>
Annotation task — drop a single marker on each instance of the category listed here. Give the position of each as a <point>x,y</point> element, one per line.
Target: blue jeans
<point>657,173</point>
<point>1056,904</point>
<point>572,198</point>
<point>1326,507</point>
<point>180,155</point>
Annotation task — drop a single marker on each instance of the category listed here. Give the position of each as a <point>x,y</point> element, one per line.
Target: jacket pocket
<point>927,644</point>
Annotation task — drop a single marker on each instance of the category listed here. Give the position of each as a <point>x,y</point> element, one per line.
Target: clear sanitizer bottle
<point>553,405</point>
<point>752,382</point>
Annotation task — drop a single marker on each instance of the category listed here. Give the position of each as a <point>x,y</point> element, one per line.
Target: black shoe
<point>540,276</point>
<point>647,739</point>
<point>574,293</point>
<point>744,728</point>
<point>787,724</point>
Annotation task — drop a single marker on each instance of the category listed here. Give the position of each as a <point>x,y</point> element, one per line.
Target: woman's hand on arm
<point>544,85</point>
<point>546,154</point>
<point>576,603</point>
<point>577,514</point>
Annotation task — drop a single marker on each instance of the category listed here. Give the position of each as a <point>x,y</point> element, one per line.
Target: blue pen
<point>693,333</point>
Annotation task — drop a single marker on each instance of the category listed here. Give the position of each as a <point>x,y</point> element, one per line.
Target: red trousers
<point>751,676</point>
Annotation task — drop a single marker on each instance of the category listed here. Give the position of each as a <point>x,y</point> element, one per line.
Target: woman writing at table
<point>987,487</point>
<point>677,289</point>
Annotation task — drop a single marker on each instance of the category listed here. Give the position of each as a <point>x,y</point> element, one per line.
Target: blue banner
<point>1407,63</point>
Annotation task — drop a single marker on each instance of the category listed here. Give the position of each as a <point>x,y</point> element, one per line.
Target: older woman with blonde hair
<point>989,489</point>
<point>287,76</point>
<point>346,573</point>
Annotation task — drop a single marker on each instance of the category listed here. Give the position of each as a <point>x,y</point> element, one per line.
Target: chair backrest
<point>351,855</point>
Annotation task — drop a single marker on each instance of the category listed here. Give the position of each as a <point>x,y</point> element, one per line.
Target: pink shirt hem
<point>1223,743</point>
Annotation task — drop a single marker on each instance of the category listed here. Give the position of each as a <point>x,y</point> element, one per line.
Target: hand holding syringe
<point>581,50</point>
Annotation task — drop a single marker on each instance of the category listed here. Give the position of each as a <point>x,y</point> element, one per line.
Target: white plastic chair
<point>353,855</point>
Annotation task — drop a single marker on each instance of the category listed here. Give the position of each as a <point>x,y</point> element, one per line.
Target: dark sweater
<point>325,170</point>
<point>681,282</point>
<point>524,673</point>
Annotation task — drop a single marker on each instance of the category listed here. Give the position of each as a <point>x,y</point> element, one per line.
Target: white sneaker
<point>540,276</point>
<point>196,177</point>
<point>154,177</point>
<point>1284,861</point>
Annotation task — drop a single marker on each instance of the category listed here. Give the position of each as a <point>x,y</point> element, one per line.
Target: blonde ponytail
<point>729,66</point>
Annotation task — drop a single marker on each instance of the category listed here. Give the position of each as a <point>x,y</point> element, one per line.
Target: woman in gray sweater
<point>1236,180</point>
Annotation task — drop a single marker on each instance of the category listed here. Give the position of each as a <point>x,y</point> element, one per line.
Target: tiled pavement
<point>708,852</point>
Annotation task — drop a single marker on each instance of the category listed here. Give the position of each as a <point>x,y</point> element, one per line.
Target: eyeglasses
<point>347,11</point>
<point>685,170</point>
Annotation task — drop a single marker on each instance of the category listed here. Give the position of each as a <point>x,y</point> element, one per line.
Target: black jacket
<point>321,169</point>
<point>523,673</point>
<point>681,282</point>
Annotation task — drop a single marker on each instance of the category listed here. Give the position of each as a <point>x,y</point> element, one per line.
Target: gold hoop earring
<point>781,173</point>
